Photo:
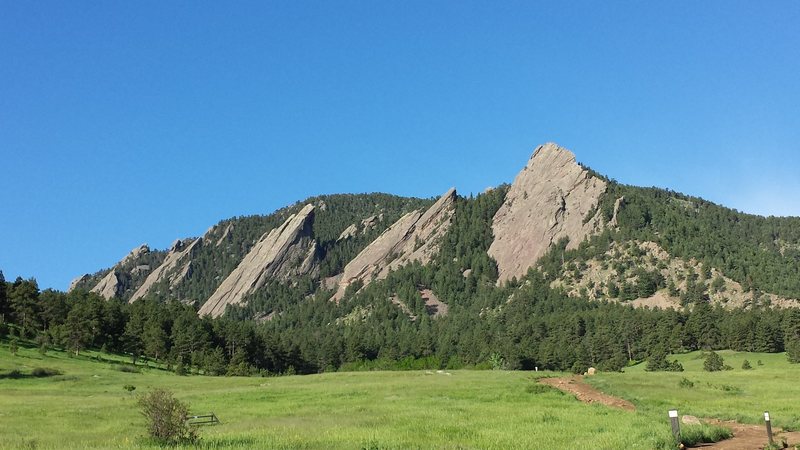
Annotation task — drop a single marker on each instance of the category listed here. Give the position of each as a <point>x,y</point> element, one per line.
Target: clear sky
<point>130,122</point>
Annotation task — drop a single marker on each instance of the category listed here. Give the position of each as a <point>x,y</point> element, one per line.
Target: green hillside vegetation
<point>294,328</point>
<point>761,253</point>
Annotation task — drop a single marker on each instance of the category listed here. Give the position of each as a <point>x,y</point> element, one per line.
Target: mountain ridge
<point>553,198</point>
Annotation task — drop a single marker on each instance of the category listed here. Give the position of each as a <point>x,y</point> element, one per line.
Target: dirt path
<point>745,437</point>
<point>586,393</point>
<point>749,437</point>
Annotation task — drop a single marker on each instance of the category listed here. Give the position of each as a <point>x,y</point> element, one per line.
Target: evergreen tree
<point>23,299</point>
<point>713,362</point>
<point>4,309</point>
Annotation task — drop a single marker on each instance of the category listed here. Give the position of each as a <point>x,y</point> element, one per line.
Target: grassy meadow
<point>87,406</point>
<point>736,394</point>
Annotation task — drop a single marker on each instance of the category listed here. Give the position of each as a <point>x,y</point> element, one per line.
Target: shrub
<point>129,387</point>
<point>41,372</point>
<point>686,383</point>
<point>166,418</point>
<point>746,365</point>
<point>658,362</point>
<point>713,362</point>
<point>126,368</point>
<point>13,346</point>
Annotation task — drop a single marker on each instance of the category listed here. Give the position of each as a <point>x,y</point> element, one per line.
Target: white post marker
<point>676,427</point>
<point>769,426</point>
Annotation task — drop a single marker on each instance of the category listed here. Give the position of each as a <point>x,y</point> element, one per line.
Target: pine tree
<point>3,298</point>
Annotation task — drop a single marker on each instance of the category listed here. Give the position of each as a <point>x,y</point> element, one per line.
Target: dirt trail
<point>745,437</point>
<point>586,393</point>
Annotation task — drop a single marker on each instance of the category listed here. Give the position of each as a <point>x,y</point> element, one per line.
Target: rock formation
<point>414,237</point>
<point>111,285</point>
<point>77,281</point>
<point>178,253</point>
<point>348,232</point>
<point>283,252</point>
<point>552,198</point>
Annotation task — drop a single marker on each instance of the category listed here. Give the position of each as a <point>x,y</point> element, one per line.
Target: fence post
<point>769,427</point>
<point>676,426</point>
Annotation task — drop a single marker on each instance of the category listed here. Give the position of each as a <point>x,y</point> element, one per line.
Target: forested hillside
<point>614,274</point>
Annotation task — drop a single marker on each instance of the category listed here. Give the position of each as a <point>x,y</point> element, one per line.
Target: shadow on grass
<point>39,372</point>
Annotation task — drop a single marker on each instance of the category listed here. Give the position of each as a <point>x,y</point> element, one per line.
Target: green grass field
<point>87,407</point>
<point>737,394</point>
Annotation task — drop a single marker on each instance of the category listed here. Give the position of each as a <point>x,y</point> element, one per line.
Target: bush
<point>658,362</point>
<point>14,374</point>
<point>166,418</point>
<point>41,372</point>
<point>713,362</point>
<point>126,368</point>
<point>746,365</point>
<point>686,383</point>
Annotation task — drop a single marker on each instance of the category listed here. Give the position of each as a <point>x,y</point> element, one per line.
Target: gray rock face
<point>414,237</point>
<point>180,253</point>
<point>552,198</point>
<point>284,252</point>
<point>111,285</point>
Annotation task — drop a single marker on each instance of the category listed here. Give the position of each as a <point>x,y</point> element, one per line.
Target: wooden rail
<point>204,419</point>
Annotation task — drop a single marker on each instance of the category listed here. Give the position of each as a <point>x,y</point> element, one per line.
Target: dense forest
<point>293,327</point>
<point>538,328</point>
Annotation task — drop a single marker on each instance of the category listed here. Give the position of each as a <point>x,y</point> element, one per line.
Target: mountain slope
<point>588,235</point>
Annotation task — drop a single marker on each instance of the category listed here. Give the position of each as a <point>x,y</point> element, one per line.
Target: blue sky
<point>130,122</point>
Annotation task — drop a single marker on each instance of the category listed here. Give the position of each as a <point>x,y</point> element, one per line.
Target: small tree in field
<point>713,362</point>
<point>166,418</point>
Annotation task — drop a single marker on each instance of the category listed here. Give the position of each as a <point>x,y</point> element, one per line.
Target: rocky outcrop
<point>348,232</point>
<point>112,285</point>
<point>283,252</point>
<point>414,237</point>
<point>77,281</point>
<point>370,222</point>
<point>225,234</point>
<point>552,198</point>
<point>178,254</point>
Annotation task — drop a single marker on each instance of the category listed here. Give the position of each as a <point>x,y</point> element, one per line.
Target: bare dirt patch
<point>749,437</point>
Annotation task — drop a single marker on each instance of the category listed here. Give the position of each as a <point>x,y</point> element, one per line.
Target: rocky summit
<point>552,198</point>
